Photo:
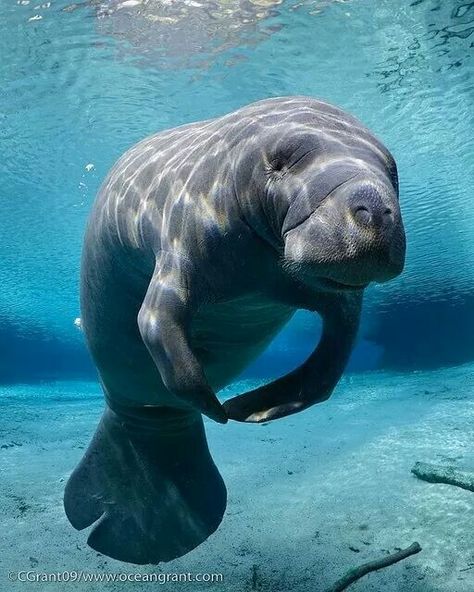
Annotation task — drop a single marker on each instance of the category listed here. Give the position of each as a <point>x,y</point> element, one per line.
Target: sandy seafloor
<point>309,496</point>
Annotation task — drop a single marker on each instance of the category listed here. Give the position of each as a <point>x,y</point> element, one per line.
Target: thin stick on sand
<point>449,475</point>
<point>358,572</point>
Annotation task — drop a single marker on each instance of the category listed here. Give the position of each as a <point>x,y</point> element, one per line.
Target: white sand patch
<point>309,496</point>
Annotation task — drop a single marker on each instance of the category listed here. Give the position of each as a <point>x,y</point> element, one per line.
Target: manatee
<point>201,244</point>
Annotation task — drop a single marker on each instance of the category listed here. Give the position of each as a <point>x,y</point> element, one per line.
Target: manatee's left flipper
<point>314,381</point>
<point>274,400</point>
<point>174,293</point>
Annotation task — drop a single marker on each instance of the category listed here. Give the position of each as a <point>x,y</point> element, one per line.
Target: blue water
<point>83,81</point>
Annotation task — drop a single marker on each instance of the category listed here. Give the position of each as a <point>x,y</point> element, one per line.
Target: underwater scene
<point>237,295</point>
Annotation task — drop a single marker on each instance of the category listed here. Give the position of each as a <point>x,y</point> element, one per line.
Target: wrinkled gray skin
<point>202,243</point>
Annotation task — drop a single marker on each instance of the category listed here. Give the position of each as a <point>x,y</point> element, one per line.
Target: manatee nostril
<point>388,216</point>
<point>362,215</point>
<point>376,217</point>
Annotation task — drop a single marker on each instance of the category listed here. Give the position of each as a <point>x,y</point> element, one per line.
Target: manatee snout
<point>354,237</point>
<point>372,209</point>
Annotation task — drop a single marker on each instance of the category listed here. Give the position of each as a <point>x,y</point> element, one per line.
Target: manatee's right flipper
<point>174,294</point>
<point>150,487</point>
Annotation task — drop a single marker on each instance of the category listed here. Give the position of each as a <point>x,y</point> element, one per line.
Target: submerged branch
<point>358,572</point>
<point>448,475</point>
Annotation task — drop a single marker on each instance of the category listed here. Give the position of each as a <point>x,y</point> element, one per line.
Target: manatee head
<point>331,202</point>
<point>353,236</point>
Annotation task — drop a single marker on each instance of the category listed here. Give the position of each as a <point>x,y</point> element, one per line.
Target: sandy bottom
<point>310,496</point>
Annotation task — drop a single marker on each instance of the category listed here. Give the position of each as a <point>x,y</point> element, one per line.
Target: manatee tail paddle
<point>148,485</point>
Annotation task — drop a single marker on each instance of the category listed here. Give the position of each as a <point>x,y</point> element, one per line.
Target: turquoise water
<point>83,81</point>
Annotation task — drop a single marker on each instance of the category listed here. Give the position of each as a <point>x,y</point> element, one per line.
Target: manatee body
<point>202,243</point>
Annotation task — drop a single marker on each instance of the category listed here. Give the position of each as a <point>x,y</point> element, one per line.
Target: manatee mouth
<point>333,285</point>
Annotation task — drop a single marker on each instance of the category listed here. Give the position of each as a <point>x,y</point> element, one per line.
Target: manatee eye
<point>277,165</point>
<point>294,152</point>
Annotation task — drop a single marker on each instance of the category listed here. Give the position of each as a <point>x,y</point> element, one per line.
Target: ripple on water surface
<point>82,81</point>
